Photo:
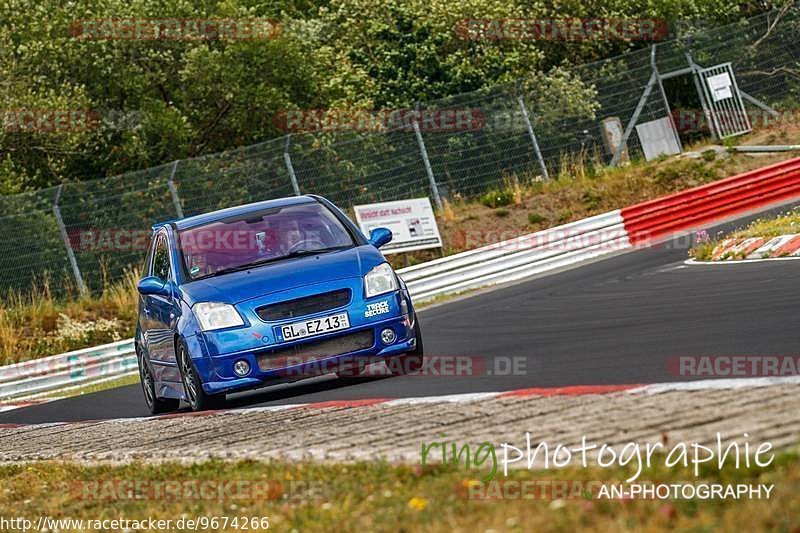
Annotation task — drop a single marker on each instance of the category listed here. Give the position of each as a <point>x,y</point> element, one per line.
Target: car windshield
<point>261,237</point>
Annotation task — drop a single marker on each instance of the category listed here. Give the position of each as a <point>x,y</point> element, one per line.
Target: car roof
<point>205,218</point>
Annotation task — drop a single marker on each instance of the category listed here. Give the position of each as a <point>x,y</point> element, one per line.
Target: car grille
<point>304,306</point>
<point>315,350</point>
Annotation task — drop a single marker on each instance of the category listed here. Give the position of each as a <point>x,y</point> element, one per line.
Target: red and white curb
<point>541,392</point>
<point>739,249</point>
<point>747,249</point>
<point>10,406</point>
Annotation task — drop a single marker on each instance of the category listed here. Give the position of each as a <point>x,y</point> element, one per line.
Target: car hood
<point>259,281</point>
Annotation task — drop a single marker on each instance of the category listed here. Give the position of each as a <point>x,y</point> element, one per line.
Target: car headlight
<point>215,315</point>
<point>380,280</point>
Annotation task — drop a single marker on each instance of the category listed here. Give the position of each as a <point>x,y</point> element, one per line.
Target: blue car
<point>266,293</point>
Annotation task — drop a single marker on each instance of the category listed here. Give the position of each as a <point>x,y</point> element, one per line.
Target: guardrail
<point>37,377</point>
<point>502,262</point>
<point>714,201</point>
<point>518,258</point>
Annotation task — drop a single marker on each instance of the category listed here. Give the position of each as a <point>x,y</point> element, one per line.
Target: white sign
<point>720,86</point>
<point>411,222</point>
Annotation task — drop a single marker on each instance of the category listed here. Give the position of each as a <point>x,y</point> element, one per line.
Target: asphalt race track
<point>615,321</point>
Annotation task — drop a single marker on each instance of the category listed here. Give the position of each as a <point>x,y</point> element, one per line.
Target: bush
<point>564,216</point>
<point>591,199</point>
<point>535,218</point>
<point>667,175</point>
<point>497,198</point>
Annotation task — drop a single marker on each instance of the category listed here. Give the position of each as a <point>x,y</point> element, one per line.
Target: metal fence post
<point>528,125</point>
<point>632,122</point>
<point>288,160</point>
<point>70,254</point>
<point>434,187</point>
<point>173,190</point>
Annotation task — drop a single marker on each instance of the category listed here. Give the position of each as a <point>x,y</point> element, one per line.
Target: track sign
<point>720,86</point>
<point>411,222</point>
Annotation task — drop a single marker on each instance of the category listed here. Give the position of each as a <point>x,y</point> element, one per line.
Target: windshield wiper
<point>266,260</point>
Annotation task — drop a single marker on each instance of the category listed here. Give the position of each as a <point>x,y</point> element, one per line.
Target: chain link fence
<point>82,235</point>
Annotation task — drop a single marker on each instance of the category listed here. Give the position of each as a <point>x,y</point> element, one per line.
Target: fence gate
<point>722,102</point>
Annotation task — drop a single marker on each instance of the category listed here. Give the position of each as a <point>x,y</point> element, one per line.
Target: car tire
<point>196,397</point>
<point>410,362</point>
<point>155,405</point>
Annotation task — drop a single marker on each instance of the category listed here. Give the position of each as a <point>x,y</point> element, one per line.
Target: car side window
<point>161,268</point>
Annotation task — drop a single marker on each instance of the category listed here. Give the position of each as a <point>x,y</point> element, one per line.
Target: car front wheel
<point>155,404</point>
<point>410,362</point>
<point>196,397</point>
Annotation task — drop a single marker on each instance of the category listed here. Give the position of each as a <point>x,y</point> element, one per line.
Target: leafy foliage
<point>160,100</point>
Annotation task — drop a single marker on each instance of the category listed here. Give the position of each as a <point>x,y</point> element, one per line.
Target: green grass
<point>784,224</point>
<point>382,497</point>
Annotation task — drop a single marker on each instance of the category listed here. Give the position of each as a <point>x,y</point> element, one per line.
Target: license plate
<point>316,326</point>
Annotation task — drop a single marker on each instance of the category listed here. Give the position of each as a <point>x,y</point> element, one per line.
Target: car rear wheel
<point>196,397</point>
<point>154,404</point>
<point>410,362</point>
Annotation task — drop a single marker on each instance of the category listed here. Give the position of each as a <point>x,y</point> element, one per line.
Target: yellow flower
<point>418,504</point>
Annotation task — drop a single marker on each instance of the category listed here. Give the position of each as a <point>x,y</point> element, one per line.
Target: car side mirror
<point>380,236</point>
<point>151,285</point>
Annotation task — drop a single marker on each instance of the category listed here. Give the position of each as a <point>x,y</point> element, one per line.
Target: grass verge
<point>37,324</point>
<point>783,224</point>
<point>382,497</point>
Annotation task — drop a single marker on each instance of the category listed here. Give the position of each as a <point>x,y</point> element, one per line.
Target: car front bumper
<point>219,377</point>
